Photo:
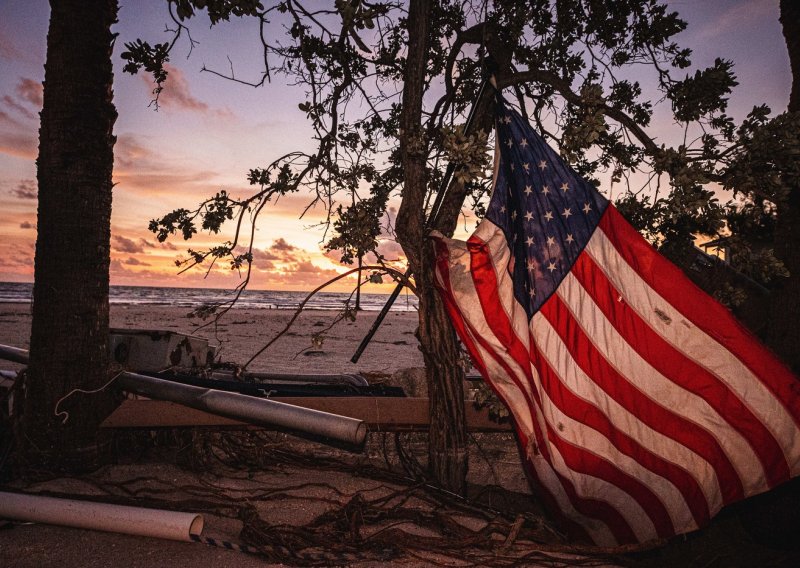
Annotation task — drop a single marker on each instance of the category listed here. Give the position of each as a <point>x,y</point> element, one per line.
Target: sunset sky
<point>209,132</point>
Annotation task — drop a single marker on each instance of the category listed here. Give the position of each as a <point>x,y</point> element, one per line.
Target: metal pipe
<point>14,354</point>
<point>107,517</point>
<point>249,409</point>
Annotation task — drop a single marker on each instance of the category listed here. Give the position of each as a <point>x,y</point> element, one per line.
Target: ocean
<point>20,293</point>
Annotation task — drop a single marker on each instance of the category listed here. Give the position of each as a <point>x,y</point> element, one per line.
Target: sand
<point>289,482</point>
<point>308,485</point>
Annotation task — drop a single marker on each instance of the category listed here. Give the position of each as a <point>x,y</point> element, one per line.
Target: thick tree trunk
<point>784,334</point>
<point>69,335</point>
<point>447,450</point>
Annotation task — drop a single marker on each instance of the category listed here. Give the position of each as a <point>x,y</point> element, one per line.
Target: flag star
<point>565,186</point>
<point>552,266</point>
<point>531,265</point>
<point>545,190</point>
<point>503,209</point>
<point>542,165</point>
<point>528,190</point>
<point>549,215</point>
<point>529,241</point>
<point>523,142</point>
<point>567,212</point>
<point>507,119</point>
<point>570,238</point>
<point>529,216</point>
<point>551,241</point>
<point>531,292</point>
<point>509,143</point>
<point>512,165</point>
<point>513,215</point>
<point>526,166</point>
<point>587,208</point>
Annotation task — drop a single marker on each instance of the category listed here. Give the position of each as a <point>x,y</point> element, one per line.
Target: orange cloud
<point>124,244</point>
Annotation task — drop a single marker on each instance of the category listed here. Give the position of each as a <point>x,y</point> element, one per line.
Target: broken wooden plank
<point>387,414</point>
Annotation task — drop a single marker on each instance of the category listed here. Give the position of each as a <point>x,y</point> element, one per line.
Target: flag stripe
<point>709,316</point>
<point>684,372</point>
<point>650,381</point>
<point>585,401</point>
<point>634,412</point>
<point>594,454</point>
<point>700,346</point>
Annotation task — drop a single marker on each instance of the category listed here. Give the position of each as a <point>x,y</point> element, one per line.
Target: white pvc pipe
<point>100,516</point>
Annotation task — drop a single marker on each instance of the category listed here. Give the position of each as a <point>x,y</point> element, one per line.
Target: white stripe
<point>656,386</point>
<point>698,346</point>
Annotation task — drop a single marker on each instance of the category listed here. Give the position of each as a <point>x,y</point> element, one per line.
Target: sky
<point>208,133</point>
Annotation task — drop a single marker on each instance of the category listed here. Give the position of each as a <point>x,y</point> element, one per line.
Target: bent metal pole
<point>250,409</point>
<point>171,525</point>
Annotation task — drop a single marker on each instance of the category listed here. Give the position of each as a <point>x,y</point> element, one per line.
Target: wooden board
<point>380,413</point>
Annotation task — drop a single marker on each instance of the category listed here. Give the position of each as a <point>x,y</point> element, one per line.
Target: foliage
<point>350,57</point>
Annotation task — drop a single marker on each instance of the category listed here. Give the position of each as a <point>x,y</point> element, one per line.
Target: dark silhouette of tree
<point>69,337</point>
<point>386,84</point>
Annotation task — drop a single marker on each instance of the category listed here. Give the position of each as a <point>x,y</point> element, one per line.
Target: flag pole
<point>437,205</point>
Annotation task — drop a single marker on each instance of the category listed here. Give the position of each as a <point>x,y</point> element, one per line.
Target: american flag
<point>641,405</point>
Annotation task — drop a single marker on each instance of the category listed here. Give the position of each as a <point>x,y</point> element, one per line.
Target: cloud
<point>31,91</point>
<point>736,17</point>
<point>264,255</point>
<point>131,261</point>
<point>280,244</point>
<point>10,52</point>
<point>27,99</point>
<point>124,244</point>
<point>19,144</point>
<point>177,94</point>
<point>25,189</point>
<point>27,225</point>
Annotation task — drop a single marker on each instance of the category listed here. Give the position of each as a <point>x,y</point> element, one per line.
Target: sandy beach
<point>304,503</point>
<point>308,478</point>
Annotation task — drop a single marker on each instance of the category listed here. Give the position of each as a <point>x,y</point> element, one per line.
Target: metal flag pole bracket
<point>431,222</point>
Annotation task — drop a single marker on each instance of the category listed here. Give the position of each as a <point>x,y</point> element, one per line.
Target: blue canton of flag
<point>546,211</point>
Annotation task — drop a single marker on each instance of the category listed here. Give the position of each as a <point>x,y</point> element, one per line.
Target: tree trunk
<point>69,336</point>
<point>783,335</point>
<point>447,450</point>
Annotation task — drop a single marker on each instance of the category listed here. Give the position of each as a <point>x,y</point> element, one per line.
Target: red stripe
<point>682,371</point>
<point>486,286</point>
<point>702,310</point>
